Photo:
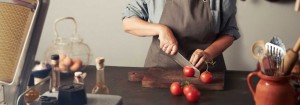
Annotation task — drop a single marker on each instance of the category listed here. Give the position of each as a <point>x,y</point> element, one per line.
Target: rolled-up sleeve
<point>229,24</point>
<point>136,8</point>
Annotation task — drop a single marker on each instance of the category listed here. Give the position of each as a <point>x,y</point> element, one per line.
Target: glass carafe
<point>74,54</point>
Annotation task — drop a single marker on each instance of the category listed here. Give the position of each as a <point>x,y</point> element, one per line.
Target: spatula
<point>276,53</point>
<point>274,49</point>
<point>291,58</point>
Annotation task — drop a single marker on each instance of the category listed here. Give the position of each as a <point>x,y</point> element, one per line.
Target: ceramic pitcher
<point>272,90</point>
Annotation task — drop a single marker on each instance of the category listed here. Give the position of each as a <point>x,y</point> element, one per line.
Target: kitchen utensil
<point>276,53</point>
<point>277,41</point>
<point>291,58</point>
<point>272,90</point>
<point>269,65</point>
<point>184,62</point>
<point>258,52</point>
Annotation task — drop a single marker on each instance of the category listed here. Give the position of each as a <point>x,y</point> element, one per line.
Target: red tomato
<point>188,71</point>
<point>188,88</point>
<point>206,77</point>
<point>176,88</point>
<point>193,95</point>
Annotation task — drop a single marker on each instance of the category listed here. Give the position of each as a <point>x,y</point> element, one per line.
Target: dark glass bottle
<point>55,73</point>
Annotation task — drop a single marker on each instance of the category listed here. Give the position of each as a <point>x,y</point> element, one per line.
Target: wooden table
<point>236,90</point>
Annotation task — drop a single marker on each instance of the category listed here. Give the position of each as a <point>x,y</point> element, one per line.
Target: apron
<point>192,24</point>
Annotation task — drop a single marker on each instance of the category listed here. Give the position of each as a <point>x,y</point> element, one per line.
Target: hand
<point>168,42</point>
<point>199,57</point>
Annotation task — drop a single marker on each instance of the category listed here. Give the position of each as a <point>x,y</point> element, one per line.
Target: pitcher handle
<point>63,18</point>
<point>249,81</point>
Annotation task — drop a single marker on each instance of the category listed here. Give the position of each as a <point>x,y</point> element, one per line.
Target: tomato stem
<point>212,62</point>
<point>187,83</point>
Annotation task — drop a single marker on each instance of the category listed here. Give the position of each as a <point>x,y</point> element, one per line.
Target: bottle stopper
<point>100,63</point>
<point>54,59</point>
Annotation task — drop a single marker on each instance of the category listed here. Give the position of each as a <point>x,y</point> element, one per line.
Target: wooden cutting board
<point>162,78</point>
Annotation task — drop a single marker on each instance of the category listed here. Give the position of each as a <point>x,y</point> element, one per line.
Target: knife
<point>184,62</point>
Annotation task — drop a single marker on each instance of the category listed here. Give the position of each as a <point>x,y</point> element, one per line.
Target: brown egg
<point>67,61</point>
<point>62,67</point>
<point>77,63</point>
<point>62,56</point>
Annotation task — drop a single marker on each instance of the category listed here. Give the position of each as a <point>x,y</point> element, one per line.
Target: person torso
<point>155,9</point>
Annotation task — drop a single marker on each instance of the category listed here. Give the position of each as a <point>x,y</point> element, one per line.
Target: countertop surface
<point>236,91</point>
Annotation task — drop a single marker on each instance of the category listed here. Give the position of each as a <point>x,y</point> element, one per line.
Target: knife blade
<point>184,62</point>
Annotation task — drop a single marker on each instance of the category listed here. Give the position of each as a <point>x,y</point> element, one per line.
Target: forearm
<point>218,46</point>
<point>139,27</point>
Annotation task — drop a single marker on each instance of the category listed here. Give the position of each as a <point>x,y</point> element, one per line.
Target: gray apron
<point>192,24</point>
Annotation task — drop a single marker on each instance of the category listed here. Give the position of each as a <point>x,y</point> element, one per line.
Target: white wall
<point>99,23</point>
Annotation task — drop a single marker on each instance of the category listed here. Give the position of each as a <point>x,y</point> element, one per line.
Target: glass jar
<point>74,54</point>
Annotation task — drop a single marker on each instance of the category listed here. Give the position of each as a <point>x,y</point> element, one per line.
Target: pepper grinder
<point>100,87</point>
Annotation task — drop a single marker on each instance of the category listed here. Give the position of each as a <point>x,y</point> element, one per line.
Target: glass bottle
<point>55,73</point>
<point>100,87</point>
<point>33,93</point>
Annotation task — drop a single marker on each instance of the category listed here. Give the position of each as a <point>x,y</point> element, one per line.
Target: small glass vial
<point>32,94</point>
<point>79,77</point>
<point>100,87</point>
<point>55,73</point>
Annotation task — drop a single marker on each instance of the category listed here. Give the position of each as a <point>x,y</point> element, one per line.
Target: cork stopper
<point>100,63</point>
<point>78,73</point>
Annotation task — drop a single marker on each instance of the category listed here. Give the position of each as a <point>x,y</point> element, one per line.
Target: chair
<point>21,24</point>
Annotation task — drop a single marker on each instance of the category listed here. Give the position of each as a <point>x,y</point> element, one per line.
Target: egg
<point>77,63</point>
<point>62,67</point>
<point>67,61</point>
<point>62,56</point>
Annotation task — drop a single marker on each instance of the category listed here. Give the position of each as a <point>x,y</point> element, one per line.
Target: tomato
<point>188,71</point>
<point>176,88</point>
<point>188,88</point>
<point>206,77</point>
<point>193,95</point>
